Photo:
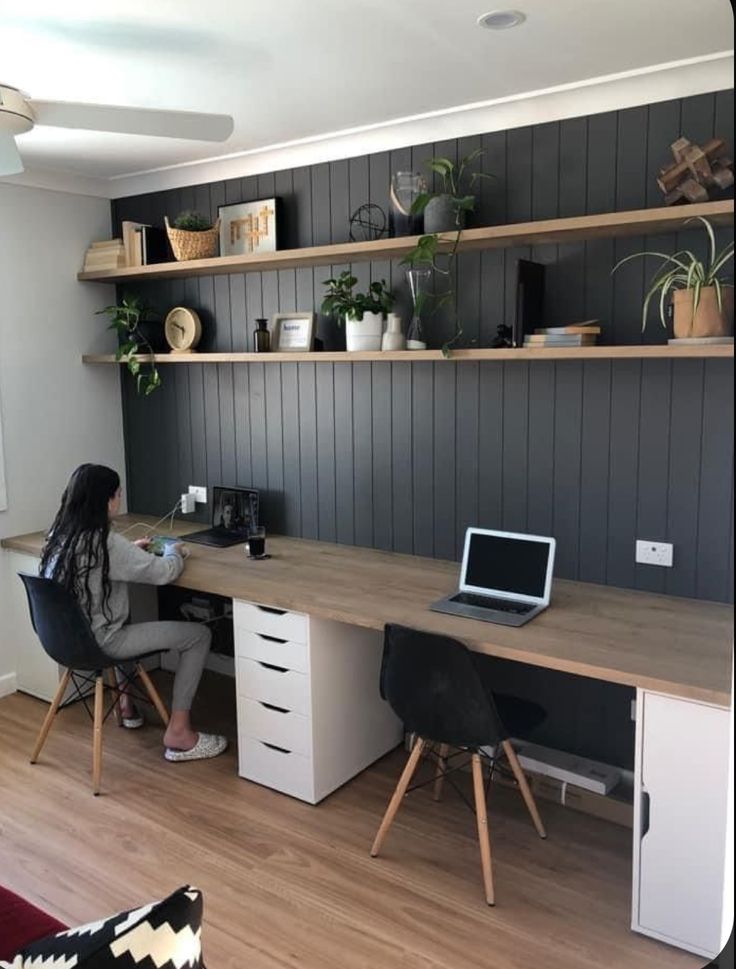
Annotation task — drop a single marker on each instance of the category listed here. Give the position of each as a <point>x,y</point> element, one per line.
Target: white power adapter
<point>187,503</point>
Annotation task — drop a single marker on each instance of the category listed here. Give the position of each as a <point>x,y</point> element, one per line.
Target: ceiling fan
<point>19,114</point>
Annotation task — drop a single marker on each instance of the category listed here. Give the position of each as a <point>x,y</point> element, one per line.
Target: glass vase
<point>418,280</point>
<point>405,188</point>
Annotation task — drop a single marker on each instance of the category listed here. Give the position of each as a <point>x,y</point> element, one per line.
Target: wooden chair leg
<point>524,788</point>
<point>50,715</point>
<point>483,837</point>
<point>112,679</point>
<point>398,795</point>
<point>99,717</point>
<point>153,693</point>
<point>439,777</point>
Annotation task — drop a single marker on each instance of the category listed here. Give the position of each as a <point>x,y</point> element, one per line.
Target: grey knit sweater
<point>128,563</point>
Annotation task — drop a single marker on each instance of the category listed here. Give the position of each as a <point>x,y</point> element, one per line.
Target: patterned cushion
<point>163,935</point>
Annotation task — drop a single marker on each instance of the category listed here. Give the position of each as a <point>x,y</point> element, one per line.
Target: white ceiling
<point>297,69</point>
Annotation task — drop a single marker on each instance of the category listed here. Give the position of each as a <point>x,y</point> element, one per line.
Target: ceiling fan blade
<point>10,161</point>
<point>133,121</point>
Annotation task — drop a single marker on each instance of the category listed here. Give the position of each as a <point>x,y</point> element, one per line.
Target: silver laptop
<point>505,578</point>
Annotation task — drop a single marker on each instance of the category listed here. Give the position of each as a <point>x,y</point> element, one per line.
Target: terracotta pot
<point>709,320</point>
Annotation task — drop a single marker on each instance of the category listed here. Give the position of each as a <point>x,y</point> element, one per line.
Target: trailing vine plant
<point>437,251</point>
<point>125,318</point>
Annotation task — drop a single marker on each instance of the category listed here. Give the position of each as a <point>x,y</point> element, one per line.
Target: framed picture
<point>248,227</point>
<point>292,331</point>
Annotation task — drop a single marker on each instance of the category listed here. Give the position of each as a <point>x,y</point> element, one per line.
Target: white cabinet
<point>310,715</point>
<point>681,822</point>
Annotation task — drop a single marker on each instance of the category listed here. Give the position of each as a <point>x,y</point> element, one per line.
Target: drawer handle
<point>645,808</point>
<point>271,666</point>
<point>271,706</point>
<point>272,610</point>
<point>281,750</point>
<point>272,639</point>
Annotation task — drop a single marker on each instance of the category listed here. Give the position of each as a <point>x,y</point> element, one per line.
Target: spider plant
<point>683,270</point>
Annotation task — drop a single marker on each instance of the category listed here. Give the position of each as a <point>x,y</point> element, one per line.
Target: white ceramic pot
<point>364,334</point>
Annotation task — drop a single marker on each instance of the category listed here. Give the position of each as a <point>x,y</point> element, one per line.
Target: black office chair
<point>433,684</point>
<point>65,634</point>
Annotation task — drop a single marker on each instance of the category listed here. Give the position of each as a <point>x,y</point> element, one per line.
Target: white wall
<point>56,412</point>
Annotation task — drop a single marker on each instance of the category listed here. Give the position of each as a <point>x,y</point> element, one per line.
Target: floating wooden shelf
<point>554,231</point>
<point>459,356</point>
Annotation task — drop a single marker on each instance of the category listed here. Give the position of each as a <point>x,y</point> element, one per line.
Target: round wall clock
<point>183,329</point>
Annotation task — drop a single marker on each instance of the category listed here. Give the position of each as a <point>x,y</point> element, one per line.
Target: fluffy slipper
<point>208,745</point>
<point>134,721</point>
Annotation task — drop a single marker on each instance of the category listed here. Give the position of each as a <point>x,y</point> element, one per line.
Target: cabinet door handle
<point>271,706</point>
<point>272,610</point>
<point>645,806</point>
<point>281,750</point>
<point>272,639</point>
<point>271,666</point>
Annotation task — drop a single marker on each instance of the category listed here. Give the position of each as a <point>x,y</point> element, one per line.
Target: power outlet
<point>654,553</point>
<point>200,494</point>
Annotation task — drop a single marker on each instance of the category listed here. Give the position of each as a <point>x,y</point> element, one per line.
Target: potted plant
<point>193,236</point>
<point>363,313</point>
<point>700,292</point>
<point>127,319</point>
<point>447,210</point>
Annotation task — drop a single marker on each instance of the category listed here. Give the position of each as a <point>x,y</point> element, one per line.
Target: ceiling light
<point>501,19</point>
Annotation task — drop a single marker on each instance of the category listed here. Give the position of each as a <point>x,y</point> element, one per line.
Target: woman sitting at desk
<point>96,564</point>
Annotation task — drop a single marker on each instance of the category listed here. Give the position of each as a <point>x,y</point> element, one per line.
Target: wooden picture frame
<point>292,332</point>
<point>248,228</point>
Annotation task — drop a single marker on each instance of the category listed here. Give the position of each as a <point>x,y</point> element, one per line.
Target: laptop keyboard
<point>487,602</point>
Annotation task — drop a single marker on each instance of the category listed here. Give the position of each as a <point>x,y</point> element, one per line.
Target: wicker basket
<point>193,245</point>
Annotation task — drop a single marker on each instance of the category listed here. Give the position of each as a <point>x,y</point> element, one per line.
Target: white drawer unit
<point>281,687</point>
<point>299,681</point>
<point>681,823</point>
<point>272,649</point>
<point>267,722</point>
<point>274,767</point>
<point>290,626</point>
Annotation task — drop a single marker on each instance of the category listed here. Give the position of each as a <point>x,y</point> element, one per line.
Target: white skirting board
<point>8,684</point>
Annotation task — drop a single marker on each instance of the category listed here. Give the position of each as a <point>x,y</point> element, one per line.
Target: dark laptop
<point>506,577</point>
<point>234,513</point>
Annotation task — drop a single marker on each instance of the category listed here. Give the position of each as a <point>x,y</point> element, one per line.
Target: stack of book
<point>145,244</point>
<point>109,254</point>
<point>574,335</point>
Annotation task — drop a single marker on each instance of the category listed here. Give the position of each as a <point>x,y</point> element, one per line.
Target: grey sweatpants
<point>191,640</point>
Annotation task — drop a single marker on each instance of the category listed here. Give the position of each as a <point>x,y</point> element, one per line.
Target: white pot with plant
<point>364,313</point>
<point>701,292</point>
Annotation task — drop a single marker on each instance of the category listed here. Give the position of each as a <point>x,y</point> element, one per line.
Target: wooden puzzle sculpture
<point>696,171</point>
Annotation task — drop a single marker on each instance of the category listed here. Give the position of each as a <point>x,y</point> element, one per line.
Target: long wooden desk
<point>307,658</point>
<point>677,646</point>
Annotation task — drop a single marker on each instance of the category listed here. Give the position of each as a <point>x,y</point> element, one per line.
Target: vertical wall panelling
<point>594,470</point>
<point>402,488</point>
<point>404,456</point>
<point>541,451</point>
<point>716,484</point>
<point>652,489</point>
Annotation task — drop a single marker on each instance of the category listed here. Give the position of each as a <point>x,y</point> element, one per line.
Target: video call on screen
<point>507,564</point>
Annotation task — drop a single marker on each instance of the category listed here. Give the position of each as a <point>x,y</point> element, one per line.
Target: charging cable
<point>169,516</point>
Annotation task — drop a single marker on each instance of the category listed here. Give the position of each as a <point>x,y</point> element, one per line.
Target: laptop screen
<point>235,509</point>
<point>508,564</point>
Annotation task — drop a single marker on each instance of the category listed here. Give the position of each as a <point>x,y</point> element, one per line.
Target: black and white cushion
<point>163,935</point>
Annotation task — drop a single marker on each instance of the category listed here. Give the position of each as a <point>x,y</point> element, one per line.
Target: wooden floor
<point>290,885</point>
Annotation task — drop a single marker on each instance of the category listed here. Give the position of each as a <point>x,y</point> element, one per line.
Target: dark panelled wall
<point>404,456</point>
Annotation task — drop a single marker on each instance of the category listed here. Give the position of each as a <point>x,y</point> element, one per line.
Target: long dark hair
<point>76,543</point>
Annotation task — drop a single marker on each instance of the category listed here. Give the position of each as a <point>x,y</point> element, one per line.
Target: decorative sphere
<point>367,223</point>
